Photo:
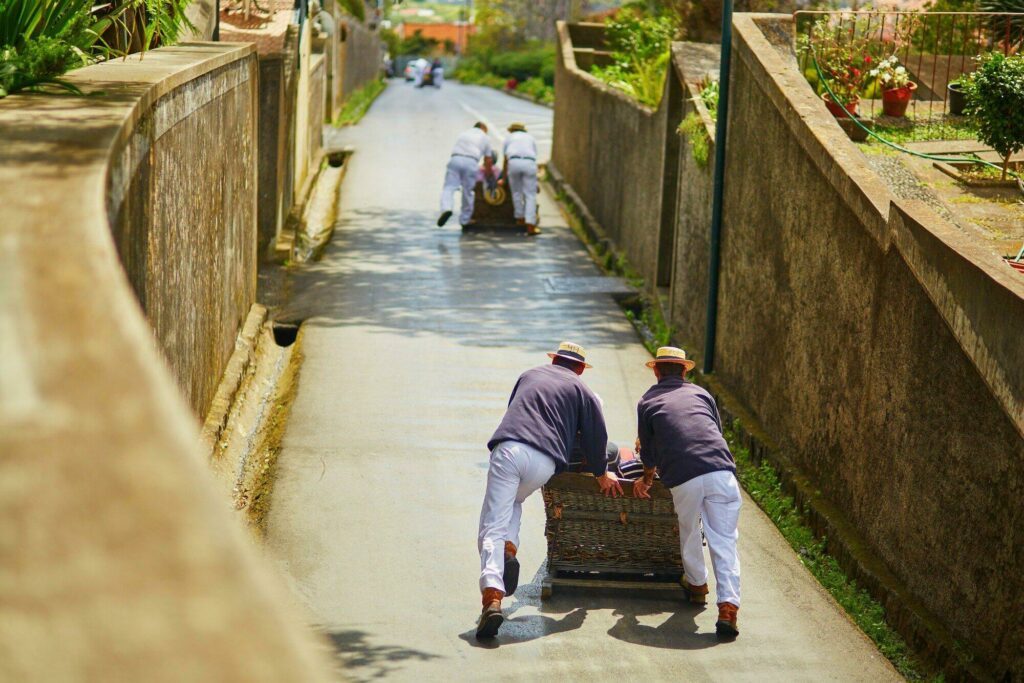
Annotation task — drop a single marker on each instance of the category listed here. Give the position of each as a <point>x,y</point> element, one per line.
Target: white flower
<point>873,72</point>
<point>900,70</point>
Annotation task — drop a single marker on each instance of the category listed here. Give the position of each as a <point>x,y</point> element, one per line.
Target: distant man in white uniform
<point>470,147</point>
<point>520,153</point>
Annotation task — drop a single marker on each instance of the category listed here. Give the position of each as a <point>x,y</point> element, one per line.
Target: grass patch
<point>763,484</point>
<point>953,129</point>
<point>358,103</point>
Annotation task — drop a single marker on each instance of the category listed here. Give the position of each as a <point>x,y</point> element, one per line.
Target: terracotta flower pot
<point>836,110</point>
<point>895,100</point>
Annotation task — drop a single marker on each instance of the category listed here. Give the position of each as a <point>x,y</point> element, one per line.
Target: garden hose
<point>932,157</point>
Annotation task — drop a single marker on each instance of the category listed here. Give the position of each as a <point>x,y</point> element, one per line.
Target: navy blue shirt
<point>680,432</point>
<point>549,406</point>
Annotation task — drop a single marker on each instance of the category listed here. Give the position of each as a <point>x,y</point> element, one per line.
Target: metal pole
<point>711,324</point>
<point>216,23</point>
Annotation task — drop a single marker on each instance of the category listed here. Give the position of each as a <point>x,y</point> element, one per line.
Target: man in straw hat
<point>681,438</point>
<point>460,174</point>
<point>549,406</point>
<point>520,153</point>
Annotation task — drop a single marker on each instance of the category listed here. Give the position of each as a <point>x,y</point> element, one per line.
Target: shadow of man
<point>678,632</point>
<point>527,627</point>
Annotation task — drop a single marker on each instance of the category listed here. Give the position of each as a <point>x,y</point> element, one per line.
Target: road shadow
<point>365,661</point>
<point>679,631</point>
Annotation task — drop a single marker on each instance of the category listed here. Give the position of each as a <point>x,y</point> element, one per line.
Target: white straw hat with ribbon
<point>571,351</point>
<point>670,354</point>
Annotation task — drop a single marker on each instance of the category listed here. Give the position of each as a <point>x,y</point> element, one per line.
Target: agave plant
<point>40,40</point>
<point>1010,26</point>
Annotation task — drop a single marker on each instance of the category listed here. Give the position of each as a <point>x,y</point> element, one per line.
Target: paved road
<point>413,339</point>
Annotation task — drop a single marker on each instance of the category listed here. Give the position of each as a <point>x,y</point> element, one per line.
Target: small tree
<point>995,98</point>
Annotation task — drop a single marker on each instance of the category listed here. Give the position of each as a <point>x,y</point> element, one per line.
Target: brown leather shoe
<point>726,626</point>
<point>532,230</point>
<point>510,577</point>
<point>698,595</point>
<point>491,616</point>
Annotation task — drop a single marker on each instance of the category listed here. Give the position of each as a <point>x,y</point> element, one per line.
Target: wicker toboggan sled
<point>601,542</point>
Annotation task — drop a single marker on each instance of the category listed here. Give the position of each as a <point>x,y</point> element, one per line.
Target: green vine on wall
<point>697,136</point>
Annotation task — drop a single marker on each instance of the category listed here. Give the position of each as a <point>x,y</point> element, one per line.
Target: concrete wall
<point>119,558</point>
<point>317,103</point>
<point>613,152</point>
<point>880,347</point>
<point>186,233</point>
<point>361,57</point>
<point>874,344</point>
<point>689,291</point>
<point>273,159</point>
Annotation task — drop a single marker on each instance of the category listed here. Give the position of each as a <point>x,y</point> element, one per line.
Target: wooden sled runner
<point>600,542</point>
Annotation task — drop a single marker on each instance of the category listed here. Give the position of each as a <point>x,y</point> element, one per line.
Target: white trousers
<point>522,181</point>
<point>516,471</point>
<point>460,175</point>
<point>715,498</point>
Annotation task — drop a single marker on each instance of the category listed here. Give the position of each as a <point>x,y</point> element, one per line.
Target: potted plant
<point>897,88</point>
<point>956,98</point>
<point>842,56</point>
<point>995,100</point>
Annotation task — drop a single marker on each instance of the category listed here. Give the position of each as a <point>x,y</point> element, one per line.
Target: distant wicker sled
<point>599,542</point>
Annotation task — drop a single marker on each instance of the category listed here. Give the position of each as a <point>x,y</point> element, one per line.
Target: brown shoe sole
<point>489,624</point>
<point>726,629</point>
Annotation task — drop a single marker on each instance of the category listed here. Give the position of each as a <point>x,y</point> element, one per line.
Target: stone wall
<point>186,233</point>
<point>274,162</point>
<point>689,291</point>
<point>870,342</point>
<point>612,151</point>
<point>880,347</point>
<point>317,102</point>
<point>119,559</point>
<point>361,57</point>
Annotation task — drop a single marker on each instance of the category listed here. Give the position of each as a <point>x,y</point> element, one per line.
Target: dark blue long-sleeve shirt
<point>680,432</point>
<point>549,405</point>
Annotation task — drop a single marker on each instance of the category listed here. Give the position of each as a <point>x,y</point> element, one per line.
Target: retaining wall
<point>689,287</point>
<point>874,346</point>
<point>361,57</point>
<point>881,348</point>
<point>119,558</point>
<point>616,155</point>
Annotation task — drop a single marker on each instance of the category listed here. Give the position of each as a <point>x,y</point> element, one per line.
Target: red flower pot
<point>836,110</point>
<point>895,100</point>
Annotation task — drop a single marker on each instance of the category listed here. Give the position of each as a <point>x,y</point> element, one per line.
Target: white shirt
<point>520,144</point>
<point>473,143</point>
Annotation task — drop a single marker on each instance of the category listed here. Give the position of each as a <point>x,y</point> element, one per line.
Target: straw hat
<point>670,354</point>
<point>517,127</point>
<point>570,351</point>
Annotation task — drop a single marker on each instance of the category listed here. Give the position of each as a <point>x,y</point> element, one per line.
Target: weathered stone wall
<point>611,150</point>
<point>361,57</point>
<point>315,120</point>
<point>689,290</point>
<point>186,232</point>
<point>880,347</point>
<point>272,205</point>
<point>875,344</point>
<point>119,558</point>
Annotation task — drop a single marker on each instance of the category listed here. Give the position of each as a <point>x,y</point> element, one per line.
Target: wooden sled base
<point>610,580</point>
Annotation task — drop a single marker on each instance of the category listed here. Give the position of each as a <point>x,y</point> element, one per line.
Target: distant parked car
<point>410,70</point>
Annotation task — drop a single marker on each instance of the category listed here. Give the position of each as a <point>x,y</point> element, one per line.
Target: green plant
<point>356,8</point>
<point>995,101</point>
<point>537,89</point>
<point>358,103</point>
<point>40,40</point>
<point>640,55</point>
<point>843,54</point>
<point>697,135</point>
<point>1009,27</point>
<point>890,73</point>
<point>709,96</point>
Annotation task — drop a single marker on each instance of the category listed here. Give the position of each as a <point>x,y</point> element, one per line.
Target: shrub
<point>995,100</point>
<point>526,64</point>
<point>640,55</point>
<point>537,89</point>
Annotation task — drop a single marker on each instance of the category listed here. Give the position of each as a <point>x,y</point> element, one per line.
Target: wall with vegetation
<point>880,347</point>
<point>611,151</point>
<point>142,191</point>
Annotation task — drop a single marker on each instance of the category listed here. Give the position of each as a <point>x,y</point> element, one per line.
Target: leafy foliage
<point>640,53</point>
<point>358,103</point>
<point>999,25</point>
<point>42,39</point>
<point>995,100</point>
<point>693,125</point>
<point>843,55</point>
<point>356,8</point>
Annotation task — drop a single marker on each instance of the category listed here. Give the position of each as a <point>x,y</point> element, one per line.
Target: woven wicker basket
<point>590,532</point>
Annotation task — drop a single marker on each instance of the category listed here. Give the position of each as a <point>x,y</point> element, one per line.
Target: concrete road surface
<point>413,339</point>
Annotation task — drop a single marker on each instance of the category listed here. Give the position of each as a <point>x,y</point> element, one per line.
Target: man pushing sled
<point>549,405</point>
